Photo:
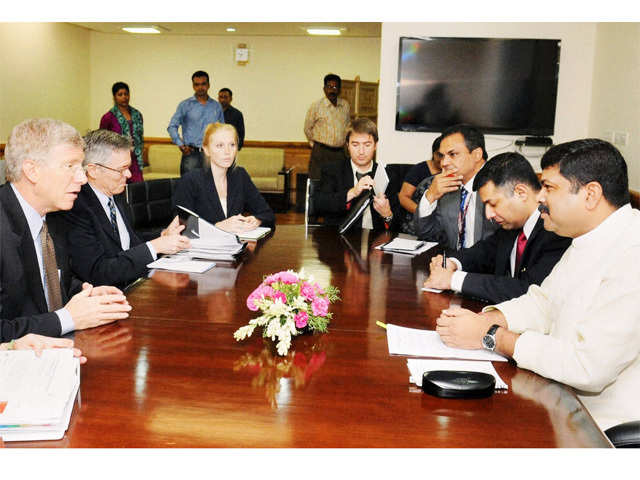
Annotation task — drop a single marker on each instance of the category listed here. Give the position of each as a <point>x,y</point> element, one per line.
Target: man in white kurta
<point>581,326</point>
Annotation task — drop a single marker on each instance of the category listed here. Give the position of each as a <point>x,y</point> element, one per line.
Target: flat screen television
<point>499,85</point>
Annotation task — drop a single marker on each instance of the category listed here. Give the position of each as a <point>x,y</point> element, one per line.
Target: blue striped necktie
<point>112,215</point>
<point>462,213</point>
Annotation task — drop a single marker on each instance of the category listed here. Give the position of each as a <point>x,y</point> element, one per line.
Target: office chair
<point>310,217</point>
<point>625,435</point>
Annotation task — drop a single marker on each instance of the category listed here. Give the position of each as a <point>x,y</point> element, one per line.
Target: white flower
<point>299,303</point>
<point>243,332</point>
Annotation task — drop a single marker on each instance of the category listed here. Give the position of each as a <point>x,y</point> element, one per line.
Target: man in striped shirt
<point>325,126</point>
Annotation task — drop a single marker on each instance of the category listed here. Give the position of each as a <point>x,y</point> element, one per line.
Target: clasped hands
<point>439,276</point>
<point>239,224</point>
<point>95,306</point>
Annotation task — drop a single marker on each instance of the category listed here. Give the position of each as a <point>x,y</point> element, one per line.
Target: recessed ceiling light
<point>231,29</point>
<point>141,29</point>
<point>323,31</point>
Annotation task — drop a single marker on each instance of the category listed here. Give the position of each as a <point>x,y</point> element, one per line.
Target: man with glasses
<point>104,248</point>
<point>326,126</point>
<point>194,114</point>
<point>38,292</point>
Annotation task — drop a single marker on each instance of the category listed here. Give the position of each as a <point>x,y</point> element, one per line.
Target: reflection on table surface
<point>173,376</point>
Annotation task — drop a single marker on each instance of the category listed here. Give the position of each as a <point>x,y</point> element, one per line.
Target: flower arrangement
<point>291,303</point>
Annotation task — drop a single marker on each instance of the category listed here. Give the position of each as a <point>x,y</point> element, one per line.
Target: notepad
<point>255,234</point>
<point>419,366</point>
<point>407,246</point>
<point>181,263</point>
<point>427,343</point>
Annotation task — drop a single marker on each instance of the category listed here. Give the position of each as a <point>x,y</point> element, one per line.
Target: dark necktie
<point>50,269</point>
<point>462,213</point>
<point>520,245</point>
<point>360,175</point>
<point>112,215</point>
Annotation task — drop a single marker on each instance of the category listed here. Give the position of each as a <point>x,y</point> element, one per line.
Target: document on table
<point>419,366</point>
<point>407,246</point>
<point>427,343</point>
<point>37,393</point>
<point>255,234</point>
<point>181,262</point>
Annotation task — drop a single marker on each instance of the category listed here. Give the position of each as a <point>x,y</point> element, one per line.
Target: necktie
<point>522,242</point>
<point>462,213</point>
<point>50,269</point>
<point>112,215</point>
<point>360,175</point>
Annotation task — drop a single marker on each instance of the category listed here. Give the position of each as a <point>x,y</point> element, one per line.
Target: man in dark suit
<point>345,183</point>
<point>44,169</point>
<point>521,253</point>
<point>104,248</point>
<point>449,212</point>
<point>232,115</point>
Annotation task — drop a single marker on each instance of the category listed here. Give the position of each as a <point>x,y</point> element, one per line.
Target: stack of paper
<point>181,262</point>
<point>37,393</point>
<point>417,367</point>
<point>427,343</point>
<point>407,246</point>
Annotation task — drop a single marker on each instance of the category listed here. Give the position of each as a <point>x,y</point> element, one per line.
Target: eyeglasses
<point>120,172</point>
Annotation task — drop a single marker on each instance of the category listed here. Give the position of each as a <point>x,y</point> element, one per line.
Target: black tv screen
<point>499,85</point>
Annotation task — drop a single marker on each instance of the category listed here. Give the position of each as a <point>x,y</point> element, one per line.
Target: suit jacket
<point>23,305</point>
<point>489,267</point>
<point>96,254</point>
<point>196,191</point>
<point>442,225</point>
<point>330,198</point>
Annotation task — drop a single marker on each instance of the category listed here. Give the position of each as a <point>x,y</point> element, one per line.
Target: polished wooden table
<point>173,376</point>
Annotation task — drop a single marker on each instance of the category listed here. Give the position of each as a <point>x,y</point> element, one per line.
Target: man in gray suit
<point>449,212</point>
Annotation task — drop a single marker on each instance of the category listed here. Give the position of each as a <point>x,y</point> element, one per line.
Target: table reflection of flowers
<point>268,369</point>
<point>291,303</point>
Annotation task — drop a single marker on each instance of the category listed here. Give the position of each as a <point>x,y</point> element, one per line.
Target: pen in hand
<point>444,259</point>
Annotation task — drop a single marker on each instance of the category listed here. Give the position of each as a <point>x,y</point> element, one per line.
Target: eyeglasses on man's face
<point>119,171</point>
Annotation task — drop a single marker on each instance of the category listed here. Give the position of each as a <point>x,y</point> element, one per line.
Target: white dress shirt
<point>581,326</point>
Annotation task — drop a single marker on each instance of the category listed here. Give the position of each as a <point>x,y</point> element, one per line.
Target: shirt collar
<point>602,233</point>
<point>469,185</point>
<point>531,223</point>
<point>102,197</point>
<point>355,168</point>
<point>34,220</point>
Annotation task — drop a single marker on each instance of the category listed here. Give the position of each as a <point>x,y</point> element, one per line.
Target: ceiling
<point>287,29</point>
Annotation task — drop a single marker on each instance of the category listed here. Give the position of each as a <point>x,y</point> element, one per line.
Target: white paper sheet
<point>403,250</point>
<point>418,366</point>
<point>181,263</point>
<point>380,179</point>
<point>427,343</point>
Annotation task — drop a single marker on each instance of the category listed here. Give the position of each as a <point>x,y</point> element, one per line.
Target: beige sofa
<point>164,162</point>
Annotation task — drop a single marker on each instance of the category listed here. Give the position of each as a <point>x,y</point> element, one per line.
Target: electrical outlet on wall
<point>621,138</point>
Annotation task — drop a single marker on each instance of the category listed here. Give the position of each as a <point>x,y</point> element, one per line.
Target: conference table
<point>172,375</point>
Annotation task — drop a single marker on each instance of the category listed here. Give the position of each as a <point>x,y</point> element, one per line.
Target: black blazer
<point>330,198</point>
<point>489,268</point>
<point>23,306</point>
<point>96,254</point>
<point>196,191</point>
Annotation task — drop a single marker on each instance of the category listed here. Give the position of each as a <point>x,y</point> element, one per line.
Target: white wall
<point>616,90</point>
<point>274,90</point>
<point>45,73</point>
<point>574,87</point>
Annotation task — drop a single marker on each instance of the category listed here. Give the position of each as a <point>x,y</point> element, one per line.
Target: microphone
<point>542,208</point>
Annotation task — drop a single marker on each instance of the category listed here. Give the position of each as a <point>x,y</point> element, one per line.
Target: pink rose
<point>319,290</point>
<point>301,319</point>
<point>271,279</point>
<point>306,290</point>
<point>251,305</point>
<point>261,292</point>
<point>288,277</point>
<point>279,295</point>
<point>320,306</point>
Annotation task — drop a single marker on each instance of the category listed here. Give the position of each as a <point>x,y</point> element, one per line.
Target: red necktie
<point>522,242</point>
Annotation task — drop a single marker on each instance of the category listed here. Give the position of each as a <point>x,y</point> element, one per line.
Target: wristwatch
<point>489,340</point>
<point>388,219</point>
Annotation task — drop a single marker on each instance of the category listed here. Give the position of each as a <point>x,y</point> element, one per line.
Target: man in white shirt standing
<point>581,326</point>
<point>450,212</point>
